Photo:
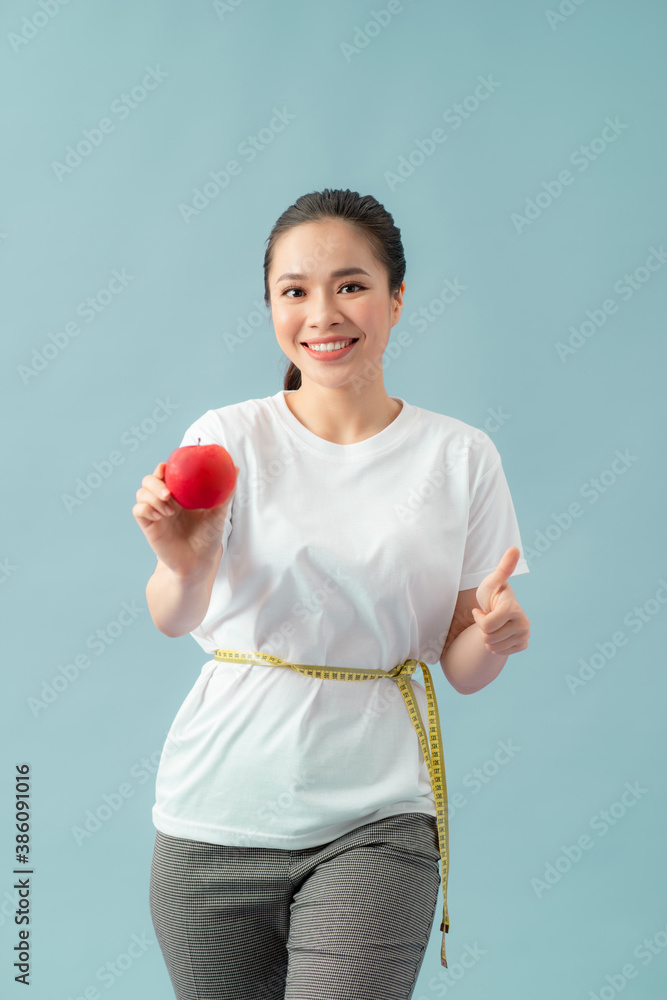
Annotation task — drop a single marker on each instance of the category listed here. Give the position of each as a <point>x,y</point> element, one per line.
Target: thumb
<point>507,564</point>
<point>496,581</point>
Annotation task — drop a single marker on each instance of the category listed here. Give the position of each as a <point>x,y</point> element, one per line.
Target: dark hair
<point>365,214</point>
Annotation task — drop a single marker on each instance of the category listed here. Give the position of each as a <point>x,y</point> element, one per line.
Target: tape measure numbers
<point>400,674</point>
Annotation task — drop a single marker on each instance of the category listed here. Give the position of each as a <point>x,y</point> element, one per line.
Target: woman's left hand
<point>502,621</point>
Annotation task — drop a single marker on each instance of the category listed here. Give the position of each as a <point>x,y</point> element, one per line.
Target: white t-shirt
<point>336,555</point>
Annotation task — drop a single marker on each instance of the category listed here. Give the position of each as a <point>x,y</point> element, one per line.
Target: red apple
<point>200,475</point>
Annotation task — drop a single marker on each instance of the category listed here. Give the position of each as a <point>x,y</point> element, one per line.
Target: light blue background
<point>167,337</point>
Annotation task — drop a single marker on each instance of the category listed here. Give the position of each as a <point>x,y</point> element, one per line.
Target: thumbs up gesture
<point>502,621</point>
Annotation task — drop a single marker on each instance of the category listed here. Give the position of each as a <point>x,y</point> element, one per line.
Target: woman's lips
<point>330,355</point>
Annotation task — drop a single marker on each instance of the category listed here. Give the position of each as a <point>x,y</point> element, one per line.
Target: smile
<point>326,352</point>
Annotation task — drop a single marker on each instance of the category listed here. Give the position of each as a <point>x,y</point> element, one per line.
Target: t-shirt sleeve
<point>198,430</point>
<point>492,528</point>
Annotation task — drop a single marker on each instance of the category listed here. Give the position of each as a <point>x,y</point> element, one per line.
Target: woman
<point>297,834</point>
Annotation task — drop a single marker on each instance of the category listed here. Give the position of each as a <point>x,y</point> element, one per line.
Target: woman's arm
<point>178,603</point>
<point>469,665</point>
<point>468,659</point>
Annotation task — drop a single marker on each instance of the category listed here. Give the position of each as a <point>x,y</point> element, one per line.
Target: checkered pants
<point>347,920</point>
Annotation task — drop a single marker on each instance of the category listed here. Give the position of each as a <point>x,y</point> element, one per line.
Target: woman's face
<point>319,305</point>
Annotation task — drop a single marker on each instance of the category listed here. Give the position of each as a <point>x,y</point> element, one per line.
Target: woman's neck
<point>343,417</point>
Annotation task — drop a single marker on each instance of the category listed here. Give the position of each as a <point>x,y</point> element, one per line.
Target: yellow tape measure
<point>434,761</point>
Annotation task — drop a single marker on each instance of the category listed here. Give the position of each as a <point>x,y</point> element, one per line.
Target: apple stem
<point>198,440</point>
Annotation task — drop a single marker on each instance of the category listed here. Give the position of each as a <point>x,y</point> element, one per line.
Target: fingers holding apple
<point>176,506</point>
<point>154,500</point>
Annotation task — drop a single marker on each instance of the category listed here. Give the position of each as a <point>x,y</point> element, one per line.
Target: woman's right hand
<point>187,541</point>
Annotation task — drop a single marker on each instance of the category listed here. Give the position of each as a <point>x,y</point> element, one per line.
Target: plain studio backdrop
<point>148,150</point>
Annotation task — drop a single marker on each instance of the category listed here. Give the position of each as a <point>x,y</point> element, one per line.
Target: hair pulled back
<point>366,214</point>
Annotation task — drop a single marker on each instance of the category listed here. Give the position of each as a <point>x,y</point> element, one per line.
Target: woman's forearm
<point>468,665</point>
<point>178,604</point>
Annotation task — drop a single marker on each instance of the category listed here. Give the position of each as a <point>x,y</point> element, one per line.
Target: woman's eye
<point>295,288</point>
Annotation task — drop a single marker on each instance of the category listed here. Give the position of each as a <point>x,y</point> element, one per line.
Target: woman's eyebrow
<point>340,273</point>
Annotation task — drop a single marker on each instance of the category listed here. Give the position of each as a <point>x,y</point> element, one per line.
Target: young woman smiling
<point>299,820</point>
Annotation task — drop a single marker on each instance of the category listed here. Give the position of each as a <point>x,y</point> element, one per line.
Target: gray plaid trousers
<point>347,920</point>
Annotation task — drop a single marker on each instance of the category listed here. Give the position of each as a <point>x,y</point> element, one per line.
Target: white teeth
<point>330,347</point>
